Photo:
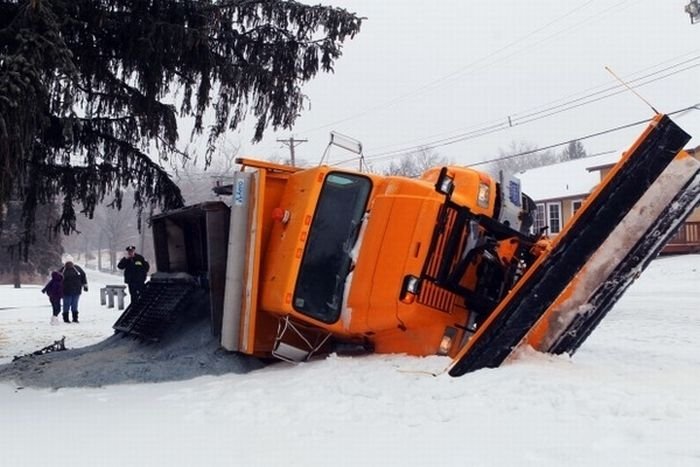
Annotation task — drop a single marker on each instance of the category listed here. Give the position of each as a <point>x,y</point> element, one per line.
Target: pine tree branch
<point>88,78</point>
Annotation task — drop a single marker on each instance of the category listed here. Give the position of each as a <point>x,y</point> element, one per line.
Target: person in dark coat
<point>135,269</point>
<point>74,282</point>
<point>54,289</point>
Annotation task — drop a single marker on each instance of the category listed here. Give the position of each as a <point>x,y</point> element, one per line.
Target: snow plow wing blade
<point>613,236</point>
<point>575,318</point>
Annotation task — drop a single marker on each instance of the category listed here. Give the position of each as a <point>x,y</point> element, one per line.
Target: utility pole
<point>292,143</point>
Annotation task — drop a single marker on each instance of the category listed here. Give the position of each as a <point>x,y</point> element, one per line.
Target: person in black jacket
<point>135,269</point>
<point>74,282</point>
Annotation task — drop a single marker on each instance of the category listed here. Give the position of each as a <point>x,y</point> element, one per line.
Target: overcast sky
<point>452,71</point>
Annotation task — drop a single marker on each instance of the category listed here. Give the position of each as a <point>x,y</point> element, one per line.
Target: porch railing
<point>686,240</point>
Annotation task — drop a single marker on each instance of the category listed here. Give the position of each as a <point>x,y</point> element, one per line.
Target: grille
<point>436,297</point>
<point>431,293</point>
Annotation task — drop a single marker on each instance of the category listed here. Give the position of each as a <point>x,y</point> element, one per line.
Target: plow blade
<point>622,225</point>
<point>574,321</point>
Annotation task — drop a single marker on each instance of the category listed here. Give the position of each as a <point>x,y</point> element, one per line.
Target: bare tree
<point>109,231</point>
<point>276,158</point>
<point>415,163</point>
<point>106,235</point>
<point>520,156</point>
<point>117,230</point>
<point>196,183</point>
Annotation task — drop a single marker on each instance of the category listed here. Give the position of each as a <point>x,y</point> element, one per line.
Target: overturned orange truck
<point>303,262</point>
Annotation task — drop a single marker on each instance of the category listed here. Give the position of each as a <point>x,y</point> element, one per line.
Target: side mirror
<point>445,183</point>
<point>410,289</point>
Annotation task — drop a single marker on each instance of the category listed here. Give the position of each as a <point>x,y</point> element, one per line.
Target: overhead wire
<point>566,30</point>
<point>684,110</point>
<point>439,81</point>
<point>507,123</point>
<point>550,105</point>
<point>526,116</point>
<point>616,87</point>
<point>582,138</point>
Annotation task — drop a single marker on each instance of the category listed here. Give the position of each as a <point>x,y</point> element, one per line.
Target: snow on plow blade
<point>614,235</point>
<point>578,316</point>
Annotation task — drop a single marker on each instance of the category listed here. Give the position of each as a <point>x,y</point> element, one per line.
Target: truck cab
<point>381,263</point>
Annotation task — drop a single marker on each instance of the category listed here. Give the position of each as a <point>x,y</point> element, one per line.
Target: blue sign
<point>514,194</point>
<point>239,192</point>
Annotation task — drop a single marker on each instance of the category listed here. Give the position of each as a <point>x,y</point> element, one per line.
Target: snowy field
<point>630,396</point>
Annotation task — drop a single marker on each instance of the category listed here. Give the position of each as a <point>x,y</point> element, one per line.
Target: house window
<point>549,217</point>
<point>540,219</point>
<point>554,217</point>
<point>576,205</point>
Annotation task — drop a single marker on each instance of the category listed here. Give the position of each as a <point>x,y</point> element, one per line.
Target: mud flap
<point>538,299</point>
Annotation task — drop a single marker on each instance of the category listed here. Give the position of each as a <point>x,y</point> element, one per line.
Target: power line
<point>526,116</point>
<point>580,138</point>
<point>510,122</point>
<point>630,77</point>
<point>618,88</point>
<point>585,137</point>
<point>439,81</point>
<point>567,30</point>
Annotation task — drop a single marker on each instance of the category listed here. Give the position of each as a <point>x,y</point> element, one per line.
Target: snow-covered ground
<point>25,315</point>
<point>630,396</point>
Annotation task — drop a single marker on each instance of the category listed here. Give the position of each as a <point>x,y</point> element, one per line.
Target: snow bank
<point>628,397</point>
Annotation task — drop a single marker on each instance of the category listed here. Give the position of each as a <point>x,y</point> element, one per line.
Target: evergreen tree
<point>45,254</point>
<point>89,88</point>
<point>574,150</point>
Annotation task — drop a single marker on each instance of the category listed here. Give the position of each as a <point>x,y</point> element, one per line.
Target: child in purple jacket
<point>54,289</point>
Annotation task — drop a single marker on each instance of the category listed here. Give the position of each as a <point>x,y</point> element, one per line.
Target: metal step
<point>161,303</point>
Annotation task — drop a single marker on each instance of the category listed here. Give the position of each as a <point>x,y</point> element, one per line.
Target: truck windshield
<point>326,262</point>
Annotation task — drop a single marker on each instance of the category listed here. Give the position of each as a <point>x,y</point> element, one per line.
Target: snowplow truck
<point>307,261</point>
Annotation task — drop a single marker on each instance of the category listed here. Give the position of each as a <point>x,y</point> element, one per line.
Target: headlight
<point>446,342</point>
<point>482,198</point>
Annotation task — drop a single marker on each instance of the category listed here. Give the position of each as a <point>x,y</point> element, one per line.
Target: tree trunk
<point>16,275</point>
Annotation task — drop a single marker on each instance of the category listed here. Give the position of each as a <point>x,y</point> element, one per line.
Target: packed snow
<point>628,397</point>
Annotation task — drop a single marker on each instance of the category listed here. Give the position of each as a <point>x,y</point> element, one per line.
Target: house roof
<point>565,179</point>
